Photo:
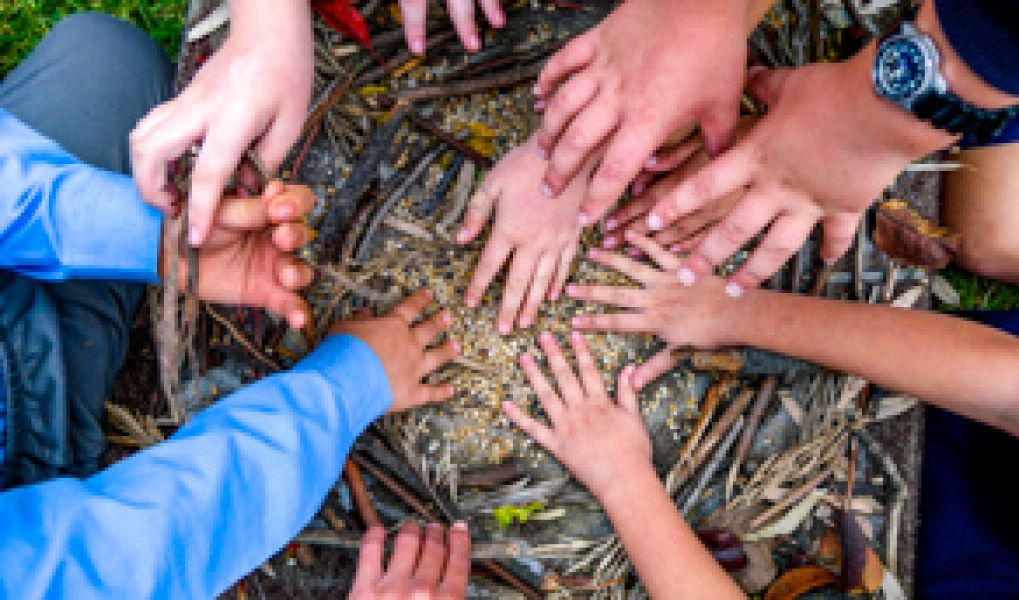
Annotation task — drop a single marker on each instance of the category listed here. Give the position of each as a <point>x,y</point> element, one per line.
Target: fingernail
<point>828,262</point>
<point>461,236</point>
<point>471,301</point>
<point>583,219</point>
<point>630,235</point>
<point>553,295</point>
<point>733,290</point>
<point>654,221</point>
<point>524,323</point>
<point>577,321</point>
<point>526,359</point>
<point>504,328</point>
<point>540,106</point>
<point>651,162</point>
<point>675,247</point>
<point>456,346</point>
<point>417,46</point>
<point>637,188</point>
<point>575,336</point>
<point>447,318</point>
<point>686,276</point>
<point>474,43</point>
<point>536,90</point>
<point>634,252</point>
<point>545,336</point>
<point>298,320</point>
<point>285,211</point>
<point>194,235</point>
<point>429,294</point>
<point>611,224</point>
<point>460,525</point>
<point>638,382</point>
<point>546,190</point>
<point>571,290</point>
<point>594,253</point>
<point>610,242</point>
<point>450,390</point>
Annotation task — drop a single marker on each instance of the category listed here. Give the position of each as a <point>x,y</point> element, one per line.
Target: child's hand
<point>248,257</point>
<point>600,441</point>
<point>461,12</point>
<point>541,234</point>
<point>419,568</point>
<point>403,348</point>
<point>679,314</point>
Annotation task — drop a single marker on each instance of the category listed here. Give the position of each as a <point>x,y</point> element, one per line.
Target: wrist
<point>272,18</point>
<point>628,483</point>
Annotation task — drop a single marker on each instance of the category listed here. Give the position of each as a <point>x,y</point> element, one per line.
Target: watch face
<point>901,68</point>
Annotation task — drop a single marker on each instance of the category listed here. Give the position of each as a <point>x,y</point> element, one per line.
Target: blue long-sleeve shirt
<point>187,517</point>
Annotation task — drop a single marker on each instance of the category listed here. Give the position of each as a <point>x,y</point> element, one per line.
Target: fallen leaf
<point>793,584</point>
<point>760,569</point>
<point>862,571</point>
<point>792,519</point>
<point>907,237</point>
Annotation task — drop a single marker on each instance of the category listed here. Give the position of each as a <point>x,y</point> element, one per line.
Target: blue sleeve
<point>190,516</point>
<point>985,34</point>
<point>61,218</point>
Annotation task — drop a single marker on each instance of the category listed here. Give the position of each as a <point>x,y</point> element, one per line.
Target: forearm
<point>189,516</point>
<point>257,17</point>
<point>958,365</point>
<point>668,556</point>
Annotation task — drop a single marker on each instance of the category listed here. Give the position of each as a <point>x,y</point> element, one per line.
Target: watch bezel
<point>932,78</point>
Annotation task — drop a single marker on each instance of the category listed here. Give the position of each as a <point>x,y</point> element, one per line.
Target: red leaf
<point>344,18</point>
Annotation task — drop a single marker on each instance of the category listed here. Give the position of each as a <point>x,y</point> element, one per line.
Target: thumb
<point>245,214</point>
<point>479,210</point>
<point>764,84</point>
<point>718,124</point>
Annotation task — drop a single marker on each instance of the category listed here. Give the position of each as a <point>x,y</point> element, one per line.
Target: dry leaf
<point>829,550</point>
<point>760,569</point>
<point>862,571</point>
<point>909,238</point>
<point>792,519</point>
<point>793,584</point>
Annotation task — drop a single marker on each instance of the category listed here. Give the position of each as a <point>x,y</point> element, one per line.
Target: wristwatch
<point>907,71</point>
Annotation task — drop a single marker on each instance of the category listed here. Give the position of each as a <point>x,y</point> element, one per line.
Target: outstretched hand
<point>253,91</point>
<point>646,71</point>
<point>825,150</point>
<point>540,235</point>
<point>600,441</point>
<point>682,316</point>
<point>423,567</point>
<point>461,12</point>
<point>249,257</point>
<point>405,342</point>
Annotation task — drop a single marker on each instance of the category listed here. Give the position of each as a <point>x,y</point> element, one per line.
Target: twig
<point>243,341</point>
<point>450,140</point>
<point>461,195</point>
<point>712,467</point>
<point>791,498</point>
<point>473,86</point>
<point>764,396</point>
<point>359,491</point>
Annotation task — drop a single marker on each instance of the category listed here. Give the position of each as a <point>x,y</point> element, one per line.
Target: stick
<point>473,86</point>
<point>365,508</point>
<point>243,341</point>
<point>442,135</point>
<point>764,396</point>
<point>792,498</point>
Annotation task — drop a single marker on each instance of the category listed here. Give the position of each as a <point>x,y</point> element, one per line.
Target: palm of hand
<point>239,267</point>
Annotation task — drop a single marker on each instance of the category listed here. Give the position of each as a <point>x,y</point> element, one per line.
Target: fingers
<point>439,356</point>
<point>784,238</point>
<point>274,145</point>
<point>574,56</point>
<point>413,14</point>
<point>433,556</point>
<point>479,210</point>
<point>522,269</point>
<point>405,552</point>
<point>288,202</point>
<point>839,233</point>
<point>411,307</point>
<point>291,236</point>
<point>162,136</point>
<point>426,332</point>
<point>575,146</point>
<point>626,395</point>
<point>493,12</point>
<point>562,274</point>
<point>746,220</point>
<point>766,84</point>
<point>590,377</point>
<point>461,12</point>
<point>569,387</point>
<point>670,158</point>
<point>458,563</point>
<point>530,426</point>
<point>627,266</point>
<point>560,109</point>
<point>718,124</point>
<point>665,260</point>
<point>726,174</point>
<point>631,146</point>
<point>548,397</point>
<point>294,274</point>
<point>496,251</point>
<point>369,562</point>
<point>619,297</point>
<point>221,152</point>
<point>654,367</point>
<point>432,394</point>
<point>634,209</point>
<point>242,214</point>
<point>536,291</point>
<point>630,322</point>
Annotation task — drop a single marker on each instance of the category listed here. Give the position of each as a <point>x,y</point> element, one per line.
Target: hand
<point>542,236</point>
<point>647,70</point>
<point>422,569</point>
<point>404,348</point>
<point>461,12</point>
<point>254,90</point>
<point>680,315</point>
<point>248,259</point>
<point>826,149</point>
<point>603,443</point>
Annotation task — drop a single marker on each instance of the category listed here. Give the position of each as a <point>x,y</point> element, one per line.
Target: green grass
<point>24,22</point>
<point>979,293</point>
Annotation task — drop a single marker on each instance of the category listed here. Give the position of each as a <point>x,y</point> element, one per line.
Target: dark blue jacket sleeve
<point>61,219</point>
<point>985,34</point>
<point>190,516</point>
